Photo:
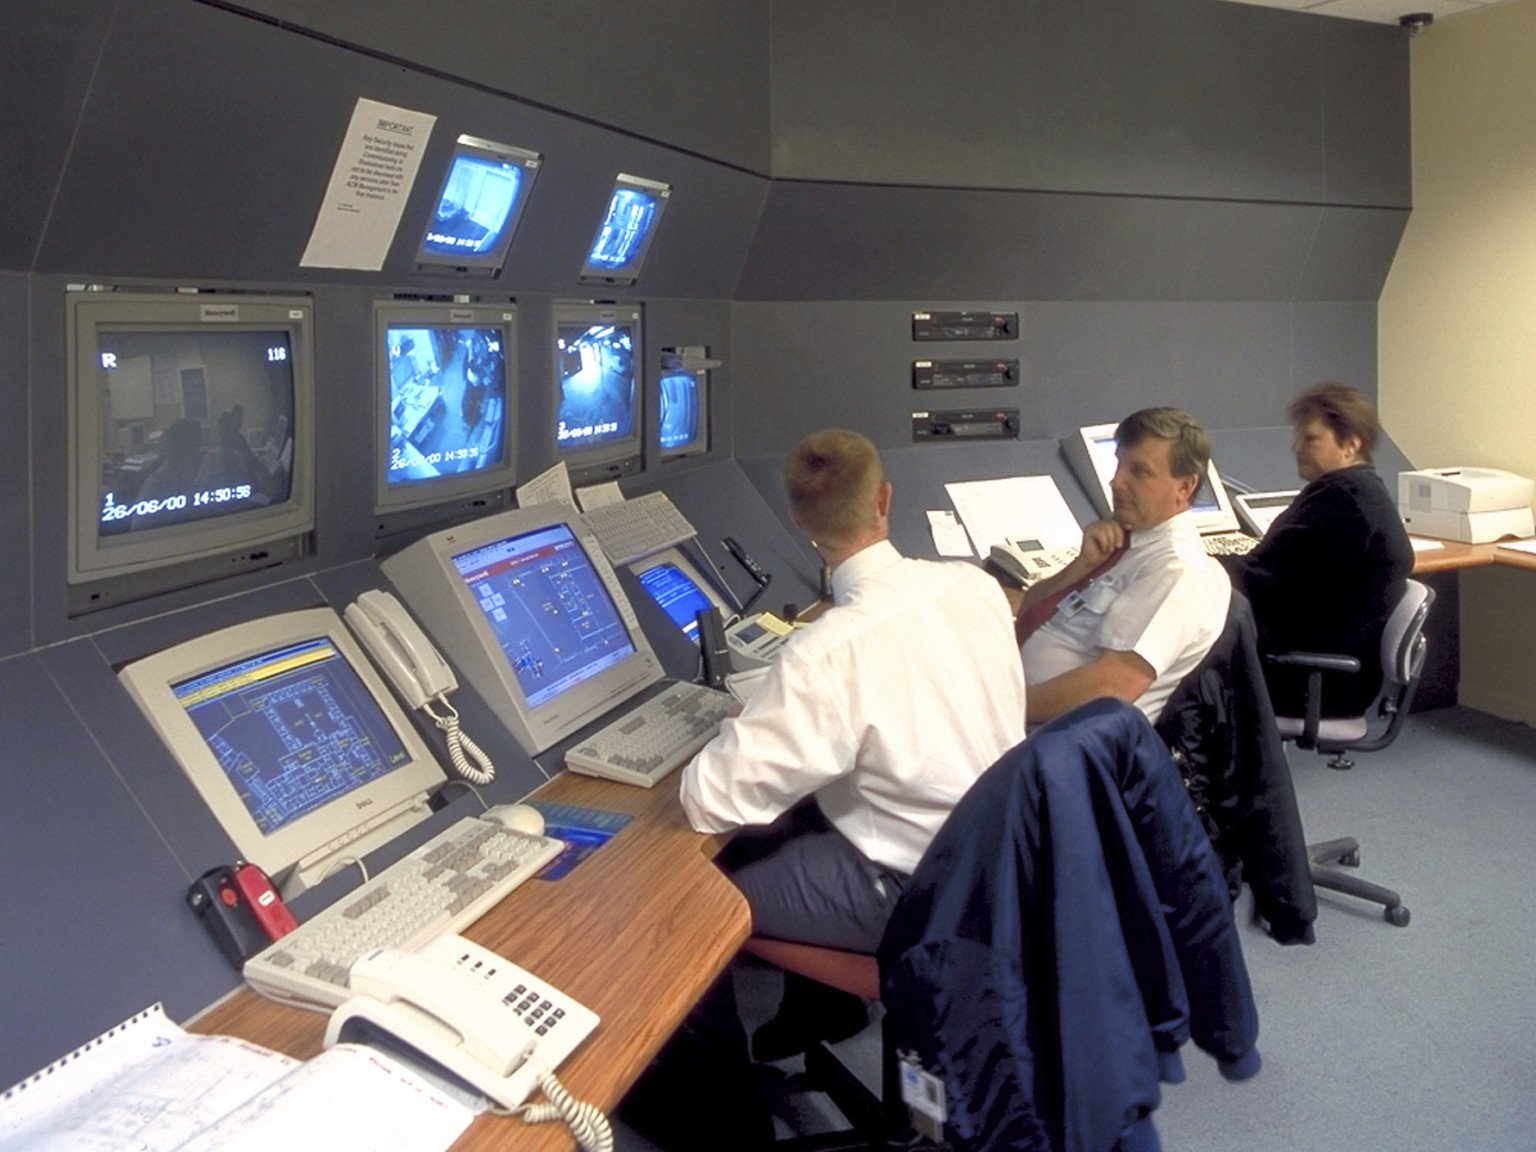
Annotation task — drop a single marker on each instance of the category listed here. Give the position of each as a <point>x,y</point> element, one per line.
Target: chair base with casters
<point>877,1123</point>
<point>1402,661</point>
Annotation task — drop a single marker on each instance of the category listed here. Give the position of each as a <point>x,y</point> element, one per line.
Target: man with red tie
<point>1142,604</point>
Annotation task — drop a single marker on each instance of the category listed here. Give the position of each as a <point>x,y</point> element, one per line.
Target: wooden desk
<point>1452,556</point>
<point>637,933</point>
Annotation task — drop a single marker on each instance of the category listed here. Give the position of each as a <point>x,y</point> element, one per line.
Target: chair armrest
<point>1323,661</point>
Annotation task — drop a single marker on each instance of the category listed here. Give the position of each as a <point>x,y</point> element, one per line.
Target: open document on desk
<point>148,1085</point>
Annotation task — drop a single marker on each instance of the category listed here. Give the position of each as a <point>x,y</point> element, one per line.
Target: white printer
<point>1472,505</point>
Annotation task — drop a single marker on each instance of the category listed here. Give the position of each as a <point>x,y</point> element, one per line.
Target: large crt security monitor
<point>477,208</point>
<point>598,355</point>
<point>191,439</point>
<point>291,739</point>
<point>446,402</point>
<point>628,226</point>
<point>528,608</point>
<point>1091,452</point>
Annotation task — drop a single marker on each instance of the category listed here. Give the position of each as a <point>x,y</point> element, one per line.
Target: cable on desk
<point>586,1121</point>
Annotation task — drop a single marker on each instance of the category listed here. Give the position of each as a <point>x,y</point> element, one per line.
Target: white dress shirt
<point>1165,600</point>
<point>887,708</point>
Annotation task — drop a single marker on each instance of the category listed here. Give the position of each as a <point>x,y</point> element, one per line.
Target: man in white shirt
<point>885,710</point>
<point>1149,617</point>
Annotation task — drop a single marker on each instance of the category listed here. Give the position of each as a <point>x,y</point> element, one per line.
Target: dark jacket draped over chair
<point>1067,930</point>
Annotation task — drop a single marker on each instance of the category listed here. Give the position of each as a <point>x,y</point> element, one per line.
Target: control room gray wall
<point>1188,202</point>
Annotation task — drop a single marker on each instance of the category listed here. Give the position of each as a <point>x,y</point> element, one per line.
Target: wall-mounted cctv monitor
<point>534,616</point>
<point>291,739</point>
<point>598,358</point>
<point>477,208</point>
<point>191,439</point>
<point>1091,452</point>
<point>682,403</point>
<point>445,424</point>
<point>628,226</point>
<point>679,589</point>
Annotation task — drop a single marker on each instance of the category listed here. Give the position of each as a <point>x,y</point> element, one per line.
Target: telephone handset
<point>418,671</point>
<point>478,1016</point>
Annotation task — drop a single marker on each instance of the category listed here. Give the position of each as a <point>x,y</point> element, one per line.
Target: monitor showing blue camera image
<point>624,236</point>
<point>597,383</point>
<point>477,208</point>
<point>682,424</point>
<point>447,401</point>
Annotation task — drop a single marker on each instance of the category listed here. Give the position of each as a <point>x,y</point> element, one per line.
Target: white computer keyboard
<point>647,742</point>
<point>444,885</point>
<point>633,529</point>
<point>1228,544</point>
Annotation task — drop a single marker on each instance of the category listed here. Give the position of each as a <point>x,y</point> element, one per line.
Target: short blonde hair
<point>832,478</point>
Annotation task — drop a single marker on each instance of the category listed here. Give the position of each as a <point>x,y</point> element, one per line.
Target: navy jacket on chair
<point>1067,930</point>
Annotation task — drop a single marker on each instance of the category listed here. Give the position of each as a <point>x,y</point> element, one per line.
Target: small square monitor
<point>477,208</point>
<point>624,236</point>
<point>447,401</point>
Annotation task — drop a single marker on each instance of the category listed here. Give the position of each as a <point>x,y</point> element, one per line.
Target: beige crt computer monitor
<point>292,740</point>
<point>1091,452</point>
<point>529,610</point>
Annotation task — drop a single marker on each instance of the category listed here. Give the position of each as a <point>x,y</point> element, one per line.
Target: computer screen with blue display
<point>477,208</point>
<point>533,615</point>
<point>291,739</point>
<point>446,401</point>
<point>625,233</point>
<point>683,420</point>
<point>679,590</point>
<point>598,360</point>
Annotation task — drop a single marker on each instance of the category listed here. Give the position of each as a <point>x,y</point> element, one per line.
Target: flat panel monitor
<point>628,226</point>
<point>477,208</point>
<point>1091,452</point>
<point>291,739</point>
<point>446,401</point>
<point>534,617</point>
<point>191,439</point>
<point>598,358</point>
<point>674,582</point>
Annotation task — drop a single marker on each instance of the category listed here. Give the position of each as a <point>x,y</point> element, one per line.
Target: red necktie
<point>1028,622</point>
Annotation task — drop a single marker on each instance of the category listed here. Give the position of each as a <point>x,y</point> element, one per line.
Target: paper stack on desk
<point>148,1085</point>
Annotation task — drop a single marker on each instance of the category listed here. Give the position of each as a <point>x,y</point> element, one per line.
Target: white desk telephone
<point>477,1016</point>
<point>418,671</point>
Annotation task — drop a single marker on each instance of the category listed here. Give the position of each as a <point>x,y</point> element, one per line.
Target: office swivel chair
<point>876,1123</point>
<point>1402,661</point>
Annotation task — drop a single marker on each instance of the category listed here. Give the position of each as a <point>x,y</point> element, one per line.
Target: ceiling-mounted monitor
<point>291,739</point>
<point>191,439</point>
<point>625,233</point>
<point>598,357</point>
<point>1091,452</point>
<point>482,197</point>
<point>445,423</point>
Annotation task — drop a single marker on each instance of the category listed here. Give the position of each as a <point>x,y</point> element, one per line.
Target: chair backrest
<point>1403,649</point>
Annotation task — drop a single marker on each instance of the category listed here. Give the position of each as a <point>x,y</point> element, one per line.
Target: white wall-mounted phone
<point>418,671</point>
<point>476,1015</point>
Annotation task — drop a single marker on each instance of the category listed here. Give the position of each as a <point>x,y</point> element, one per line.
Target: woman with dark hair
<point>1333,565</point>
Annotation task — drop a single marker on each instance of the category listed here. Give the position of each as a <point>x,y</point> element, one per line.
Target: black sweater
<point>1324,579</point>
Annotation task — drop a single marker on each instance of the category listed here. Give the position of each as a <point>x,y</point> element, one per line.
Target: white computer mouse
<point>518,817</point>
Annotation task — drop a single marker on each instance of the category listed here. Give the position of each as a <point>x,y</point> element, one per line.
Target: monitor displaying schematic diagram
<point>291,739</point>
<point>534,617</point>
